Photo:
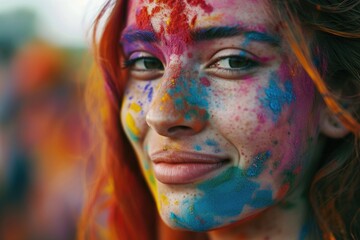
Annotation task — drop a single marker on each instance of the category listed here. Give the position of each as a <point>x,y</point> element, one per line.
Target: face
<point>221,116</point>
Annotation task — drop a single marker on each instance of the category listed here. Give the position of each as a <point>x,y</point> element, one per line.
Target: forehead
<point>168,15</point>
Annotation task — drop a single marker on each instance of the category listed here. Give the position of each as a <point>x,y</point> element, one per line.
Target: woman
<point>242,117</point>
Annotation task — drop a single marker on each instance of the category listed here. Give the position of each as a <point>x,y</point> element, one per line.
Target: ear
<point>331,126</point>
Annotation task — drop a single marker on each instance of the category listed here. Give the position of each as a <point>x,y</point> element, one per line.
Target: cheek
<point>136,102</point>
<point>277,117</point>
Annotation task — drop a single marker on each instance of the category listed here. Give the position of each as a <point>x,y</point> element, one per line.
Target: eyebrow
<point>205,34</point>
<point>139,36</point>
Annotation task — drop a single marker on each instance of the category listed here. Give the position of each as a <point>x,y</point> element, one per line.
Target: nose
<point>179,108</point>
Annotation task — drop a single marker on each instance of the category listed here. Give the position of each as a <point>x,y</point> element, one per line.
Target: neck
<point>290,220</point>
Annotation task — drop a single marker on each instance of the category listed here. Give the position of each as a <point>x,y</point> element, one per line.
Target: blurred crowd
<point>42,136</point>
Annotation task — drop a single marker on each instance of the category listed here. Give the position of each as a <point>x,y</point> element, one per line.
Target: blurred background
<point>44,63</point>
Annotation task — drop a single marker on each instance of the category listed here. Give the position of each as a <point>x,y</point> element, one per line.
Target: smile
<point>185,167</point>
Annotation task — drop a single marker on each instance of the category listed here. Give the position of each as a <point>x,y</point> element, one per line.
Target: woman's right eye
<point>144,64</point>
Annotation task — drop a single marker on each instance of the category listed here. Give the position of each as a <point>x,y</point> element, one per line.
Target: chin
<point>188,217</point>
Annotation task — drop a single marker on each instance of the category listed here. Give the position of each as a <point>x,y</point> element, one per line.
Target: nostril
<point>178,129</point>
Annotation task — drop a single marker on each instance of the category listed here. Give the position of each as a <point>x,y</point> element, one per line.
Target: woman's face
<point>219,113</point>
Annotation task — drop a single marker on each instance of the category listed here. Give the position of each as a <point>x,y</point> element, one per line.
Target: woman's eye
<point>144,64</point>
<point>232,67</point>
<point>234,63</point>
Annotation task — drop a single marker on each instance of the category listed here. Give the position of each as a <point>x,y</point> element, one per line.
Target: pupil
<point>237,62</point>
<point>152,64</point>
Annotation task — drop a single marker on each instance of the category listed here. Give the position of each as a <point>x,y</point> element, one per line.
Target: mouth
<point>185,167</point>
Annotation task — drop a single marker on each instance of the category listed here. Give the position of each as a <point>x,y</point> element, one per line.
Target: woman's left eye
<point>234,63</point>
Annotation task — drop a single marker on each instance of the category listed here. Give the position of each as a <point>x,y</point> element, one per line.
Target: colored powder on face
<point>259,37</point>
<point>211,143</point>
<point>146,165</point>
<point>206,7</point>
<point>276,97</point>
<point>283,191</point>
<point>214,144</point>
<point>263,198</point>
<point>190,98</point>
<point>164,200</point>
<point>197,147</point>
<point>178,25</point>
<point>150,94</point>
<point>131,127</point>
<point>143,19</point>
<point>197,95</point>
<point>135,107</point>
<point>204,81</point>
<point>224,198</point>
<point>258,164</point>
<point>148,88</point>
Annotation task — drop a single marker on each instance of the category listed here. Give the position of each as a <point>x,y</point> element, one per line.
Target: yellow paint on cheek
<point>130,123</point>
<point>135,107</point>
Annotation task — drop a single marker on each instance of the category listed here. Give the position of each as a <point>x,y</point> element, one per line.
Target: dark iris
<point>237,62</point>
<point>153,63</point>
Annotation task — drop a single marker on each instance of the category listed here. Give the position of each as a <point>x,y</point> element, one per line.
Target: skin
<point>242,98</point>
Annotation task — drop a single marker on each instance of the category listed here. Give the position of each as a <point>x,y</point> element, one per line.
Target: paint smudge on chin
<point>276,98</point>
<point>223,200</point>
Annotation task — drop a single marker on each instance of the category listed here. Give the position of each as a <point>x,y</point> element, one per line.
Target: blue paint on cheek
<point>258,164</point>
<point>224,199</point>
<point>262,199</point>
<point>276,97</point>
<point>197,95</point>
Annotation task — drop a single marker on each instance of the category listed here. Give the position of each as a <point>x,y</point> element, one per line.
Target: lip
<point>185,167</point>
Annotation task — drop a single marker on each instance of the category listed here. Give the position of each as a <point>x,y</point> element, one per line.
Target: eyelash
<point>128,63</point>
<point>249,61</point>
